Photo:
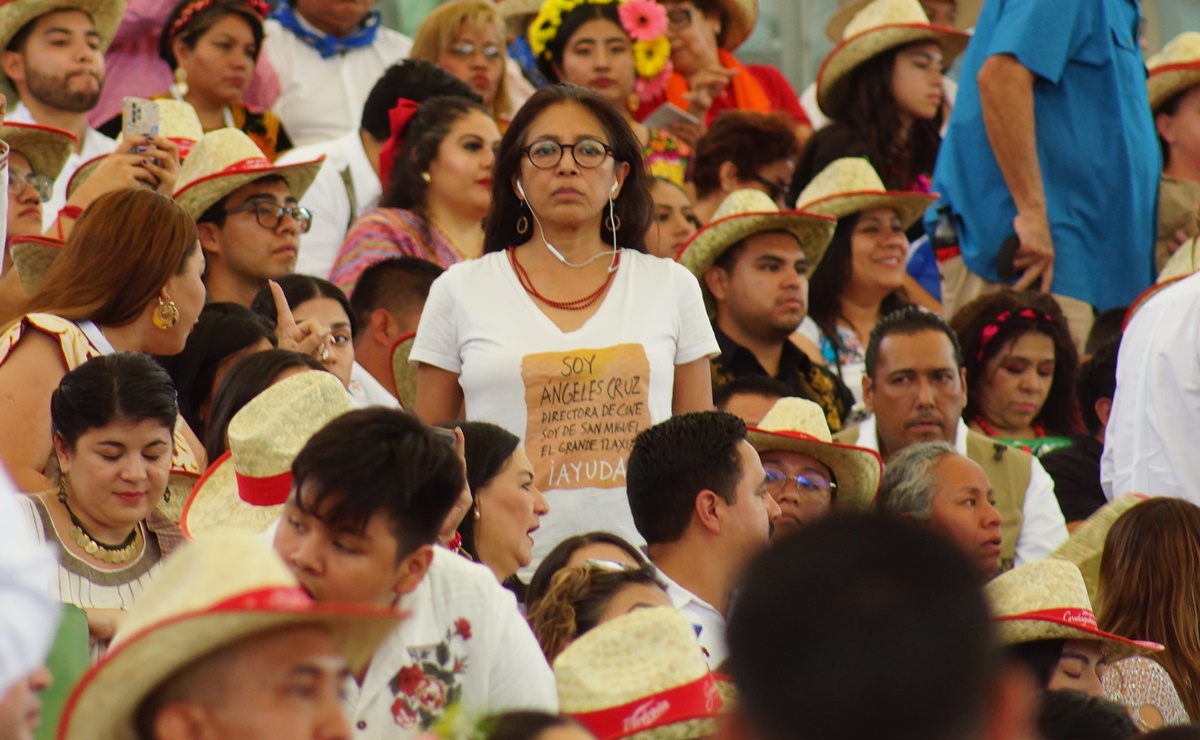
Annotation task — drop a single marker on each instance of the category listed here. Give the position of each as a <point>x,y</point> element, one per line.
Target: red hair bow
<point>398,118</point>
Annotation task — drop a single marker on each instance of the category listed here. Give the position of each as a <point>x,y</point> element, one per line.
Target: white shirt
<point>808,101</point>
<point>322,99</point>
<point>488,656</point>
<point>576,399</point>
<point>95,144</point>
<point>328,200</point>
<point>1043,527</point>
<point>709,623</point>
<point>1156,410</point>
<point>367,391</point>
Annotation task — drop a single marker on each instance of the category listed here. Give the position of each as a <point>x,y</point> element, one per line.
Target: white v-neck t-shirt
<point>576,399</point>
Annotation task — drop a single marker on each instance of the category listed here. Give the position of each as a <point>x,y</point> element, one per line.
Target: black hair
<point>524,725</point>
<point>673,461</point>
<point>1107,325</point>
<point>893,616</point>
<point>751,385</point>
<point>222,330</point>
<point>412,79</point>
<point>249,377</point>
<point>124,386</point>
<point>215,214</point>
<point>907,322</point>
<point>200,23</point>
<point>380,461</point>
<point>398,285</point>
<point>633,207</point>
<point>1073,715</point>
<point>1039,656</point>
<point>488,449</point>
<point>568,25</point>
<point>557,559</point>
<point>1097,379</point>
<point>1060,413</point>
<point>298,289</point>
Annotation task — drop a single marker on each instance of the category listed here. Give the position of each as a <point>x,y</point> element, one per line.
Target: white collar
<point>681,597</point>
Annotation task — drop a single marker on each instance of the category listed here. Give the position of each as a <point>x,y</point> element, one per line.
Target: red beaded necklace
<point>1039,431</point>
<point>576,305</point>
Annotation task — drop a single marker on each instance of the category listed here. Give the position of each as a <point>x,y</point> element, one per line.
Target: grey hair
<point>908,481</point>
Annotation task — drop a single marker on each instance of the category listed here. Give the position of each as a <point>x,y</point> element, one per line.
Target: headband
<point>258,7</point>
<point>993,327</point>
<point>398,118</point>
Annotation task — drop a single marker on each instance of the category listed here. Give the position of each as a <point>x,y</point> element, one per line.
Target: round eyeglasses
<point>270,215</point>
<point>810,487</point>
<point>42,185</point>
<point>587,153</point>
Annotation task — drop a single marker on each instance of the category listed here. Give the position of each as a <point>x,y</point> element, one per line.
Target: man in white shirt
<point>916,388</point>
<point>348,185</point>
<point>370,493</point>
<point>328,55</point>
<point>696,491</point>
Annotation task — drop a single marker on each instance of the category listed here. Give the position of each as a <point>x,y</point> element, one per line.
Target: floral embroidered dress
<point>667,156</point>
<point>383,233</point>
<point>82,342</point>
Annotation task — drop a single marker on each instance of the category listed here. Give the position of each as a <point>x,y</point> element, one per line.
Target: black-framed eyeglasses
<point>587,153</point>
<point>42,185</point>
<point>269,215</point>
<point>777,190</point>
<point>810,487</point>
<point>679,19</point>
<point>491,52</point>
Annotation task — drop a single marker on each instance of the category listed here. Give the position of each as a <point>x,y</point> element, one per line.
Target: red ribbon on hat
<point>1077,617</point>
<point>274,598</point>
<point>696,700</point>
<point>398,118</point>
<point>271,490</point>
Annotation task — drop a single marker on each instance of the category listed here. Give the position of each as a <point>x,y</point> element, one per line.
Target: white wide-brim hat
<point>247,487</point>
<point>47,148</point>
<point>16,14</point>
<point>880,26</point>
<point>643,674</point>
<point>851,185</point>
<point>1047,600</point>
<point>799,425</point>
<point>225,160</point>
<point>1174,69</point>
<point>210,594</point>
<point>32,256</point>
<point>966,16</point>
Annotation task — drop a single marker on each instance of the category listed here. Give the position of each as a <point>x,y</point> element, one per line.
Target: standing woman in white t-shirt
<point>566,332</point>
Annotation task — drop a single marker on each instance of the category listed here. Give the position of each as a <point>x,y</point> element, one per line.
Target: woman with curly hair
<point>1021,367</point>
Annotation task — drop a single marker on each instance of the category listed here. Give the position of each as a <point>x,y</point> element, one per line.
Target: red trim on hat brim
<point>45,241</point>
<point>802,437</point>
<point>208,473</point>
<point>695,700</point>
<point>40,127</point>
<point>752,214</point>
<point>1193,66</point>
<point>871,194</point>
<point>937,30</point>
<point>401,341</point>
<point>273,169</point>
<point>1062,618</point>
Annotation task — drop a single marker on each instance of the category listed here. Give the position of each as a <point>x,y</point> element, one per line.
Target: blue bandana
<point>328,46</point>
<point>522,54</point>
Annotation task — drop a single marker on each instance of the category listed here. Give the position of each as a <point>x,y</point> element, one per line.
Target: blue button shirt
<point>1095,138</point>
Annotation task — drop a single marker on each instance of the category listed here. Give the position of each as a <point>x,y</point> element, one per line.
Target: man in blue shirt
<point>1051,139</point>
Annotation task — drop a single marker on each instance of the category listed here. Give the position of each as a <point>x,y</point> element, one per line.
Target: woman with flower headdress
<point>619,49</point>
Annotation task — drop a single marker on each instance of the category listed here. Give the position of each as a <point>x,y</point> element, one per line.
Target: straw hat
<point>740,19</point>
<point>1046,600</point>
<point>403,373</point>
<point>47,148</point>
<point>32,256</point>
<point>968,13</point>
<point>16,14</point>
<point>225,160</point>
<point>210,594</point>
<point>745,213</point>
<point>247,486</point>
<point>510,9</point>
<point>177,121</point>
<point>640,675</point>
<point>798,425</point>
<point>878,27</point>
<point>1085,546</point>
<point>1174,69</point>
<point>851,185</point>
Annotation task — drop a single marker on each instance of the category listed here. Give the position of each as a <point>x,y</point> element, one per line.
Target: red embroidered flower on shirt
<point>404,716</point>
<point>431,693</point>
<point>408,679</point>
<point>433,681</point>
<point>463,627</point>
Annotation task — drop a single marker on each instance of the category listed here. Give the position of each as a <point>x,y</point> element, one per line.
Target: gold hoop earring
<point>612,223</point>
<point>181,82</point>
<point>166,315</point>
<point>523,222</point>
<point>425,176</point>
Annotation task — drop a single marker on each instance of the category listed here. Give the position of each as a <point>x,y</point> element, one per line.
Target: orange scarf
<point>747,93</point>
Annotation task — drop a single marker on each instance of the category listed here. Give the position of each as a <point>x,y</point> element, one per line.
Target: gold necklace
<point>111,554</point>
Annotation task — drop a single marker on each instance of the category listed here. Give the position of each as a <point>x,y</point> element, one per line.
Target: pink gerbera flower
<point>643,20</point>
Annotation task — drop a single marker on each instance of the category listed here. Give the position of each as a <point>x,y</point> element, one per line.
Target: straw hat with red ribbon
<point>47,148</point>
<point>1047,600</point>
<point>247,486</point>
<point>225,160</point>
<point>16,14</point>
<point>640,675</point>
<point>1174,69</point>
<point>966,14</point>
<point>32,256</point>
<point>210,594</point>
<point>851,185</point>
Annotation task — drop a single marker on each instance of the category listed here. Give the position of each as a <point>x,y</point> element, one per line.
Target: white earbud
<point>614,187</point>
<point>521,190</point>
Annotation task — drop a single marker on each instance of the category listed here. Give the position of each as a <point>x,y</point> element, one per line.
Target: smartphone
<point>667,114</point>
<point>447,435</point>
<point>139,117</point>
<point>1005,257</point>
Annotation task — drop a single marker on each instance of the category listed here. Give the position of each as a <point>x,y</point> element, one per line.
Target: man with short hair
<point>915,387</point>
<point>932,483</point>
<point>697,492</point>
<point>328,55</point>
<point>387,304</point>
<point>870,627</point>
<point>750,397</point>
<point>371,491</point>
<point>753,263</point>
